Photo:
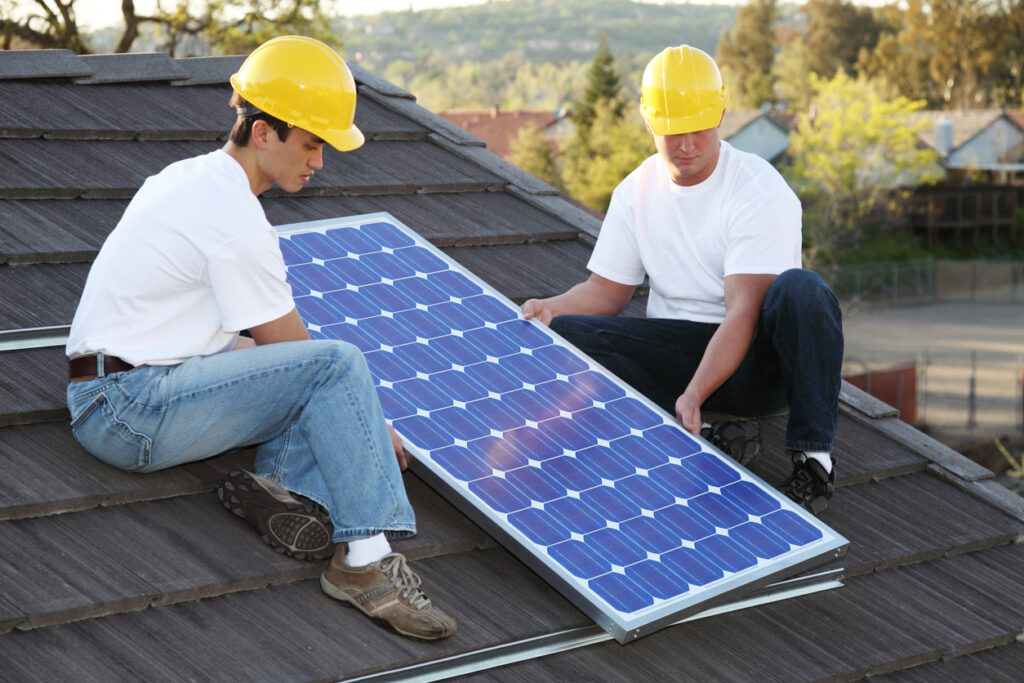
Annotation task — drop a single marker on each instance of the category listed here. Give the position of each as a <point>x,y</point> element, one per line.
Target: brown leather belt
<point>87,367</point>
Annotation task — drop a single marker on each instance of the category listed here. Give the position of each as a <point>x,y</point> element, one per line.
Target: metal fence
<point>929,280</point>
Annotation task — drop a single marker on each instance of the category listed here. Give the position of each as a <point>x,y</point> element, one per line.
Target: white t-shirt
<point>191,263</point>
<point>743,219</point>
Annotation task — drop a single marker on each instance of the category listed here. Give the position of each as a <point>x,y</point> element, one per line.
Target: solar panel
<point>635,520</point>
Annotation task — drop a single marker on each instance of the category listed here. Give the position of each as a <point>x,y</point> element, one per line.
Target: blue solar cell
<point>726,553</point>
<point>650,535</point>
<point>677,481</point>
<point>351,272</point>
<point>293,256</point>
<point>456,284</point>
<point>755,539</point>
<point>579,559</point>
<point>315,310</point>
<point>499,494</point>
<point>423,324</point>
<point>616,546</point>
<point>672,441</point>
<point>386,331</point>
<point>352,304</point>
<point>493,413</point>
<point>353,335</point>
<point>749,498</point>
<point>421,260</point>
<point>560,359</point>
<point>456,317</point>
<point>537,485</point>
<point>457,350</point>
<point>352,240</point>
<point>423,395</point>
<point>316,278</point>
<point>461,463</point>
<point>489,308</point>
<point>421,359</point>
<point>692,566</point>
<point>565,433</point>
<point>563,395</point>
<point>571,473</point>
<point>387,265</point>
<point>524,333</point>
<point>497,454</point>
<point>656,579</point>
<point>634,413</point>
<point>609,502</point>
<point>717,510</point>
<point>316,245</point>
<point>644,492</point>
<point>528,405</point>
<point>491,342</point>
<point>387,297</point>
<point>421,291</point>
<point>493,377</point>
<point>394,404</point>
<point>575,515</point>
<point>317,334</point>
<point>710,469</point>
<point>605,462</point>
<point>532,444</point>
<point>460,423</point>
<point>620,592</point>
<point>539,526</point>
<point>685,523</point>
<point>596,387</point>
<point>422,432</point>
<point>458,386</point>
<point>387,235</point>
<point>385,366</point>
<point>790,527</point>
<point>637,452</point>
<point>527,369</point>
<point>601,424</point>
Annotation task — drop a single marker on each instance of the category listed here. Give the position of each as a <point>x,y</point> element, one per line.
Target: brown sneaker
<point>387,590</point>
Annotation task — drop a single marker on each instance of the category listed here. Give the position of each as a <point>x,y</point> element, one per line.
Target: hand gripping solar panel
<point>635,520</point>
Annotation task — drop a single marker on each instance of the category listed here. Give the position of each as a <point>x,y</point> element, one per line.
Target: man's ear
<point>260,132</point>
<point>648,126</point>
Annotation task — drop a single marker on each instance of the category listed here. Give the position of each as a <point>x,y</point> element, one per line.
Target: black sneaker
<point>739,439</point>
<point>810,486</point>
<point>293,527</point>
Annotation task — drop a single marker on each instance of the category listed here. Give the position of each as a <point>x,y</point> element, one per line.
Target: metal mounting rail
<point>34,337</point>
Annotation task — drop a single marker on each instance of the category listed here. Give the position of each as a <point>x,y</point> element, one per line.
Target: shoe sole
<point>340,595</point>
<point>308,529</point>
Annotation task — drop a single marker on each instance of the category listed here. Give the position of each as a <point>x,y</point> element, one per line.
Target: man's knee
<point>802,291</point>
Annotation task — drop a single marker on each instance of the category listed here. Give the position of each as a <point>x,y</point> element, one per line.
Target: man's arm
<point>594,296</point>
<point>744,295</point>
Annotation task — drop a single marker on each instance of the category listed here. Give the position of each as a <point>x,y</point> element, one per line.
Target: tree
<point>745,54</point>
<point>603,86</point>
<point>532,152</point>
<point>837,30</point>
<point>854,154</point>
<point>44,23</point>
<point>792,74</point>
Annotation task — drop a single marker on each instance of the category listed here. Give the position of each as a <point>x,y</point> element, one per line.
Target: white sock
<point>823,458</point>
<point>364,551</point>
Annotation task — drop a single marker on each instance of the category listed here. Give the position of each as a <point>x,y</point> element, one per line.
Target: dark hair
<point>242,130</point>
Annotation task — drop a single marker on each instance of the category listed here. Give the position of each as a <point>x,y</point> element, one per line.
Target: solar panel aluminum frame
<point>624,627</point>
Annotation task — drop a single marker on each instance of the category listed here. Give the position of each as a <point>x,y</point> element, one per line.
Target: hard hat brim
<point>345,140</point>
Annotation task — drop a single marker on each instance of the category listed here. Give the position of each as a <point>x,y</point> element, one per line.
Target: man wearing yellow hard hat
<point>161,377</point>
<point>733,324</point>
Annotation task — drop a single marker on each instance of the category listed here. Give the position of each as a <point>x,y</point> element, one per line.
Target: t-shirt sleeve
<point>616,255</point>
<point>247,277</point>
<point>765,234</point>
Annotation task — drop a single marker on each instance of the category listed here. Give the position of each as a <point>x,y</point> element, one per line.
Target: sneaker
<point>810,486</point>
<point>739,439</point>
<point>388,591</point>
<point>293,527</point>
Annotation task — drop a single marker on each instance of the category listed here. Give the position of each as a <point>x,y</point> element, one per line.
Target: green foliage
<point>851,155</point>
<point>746,53</point>
<point>603,85</point>
<point>792,73</point>
<point>532,152</point>
<point>594,163</point>
<point>837,30</point>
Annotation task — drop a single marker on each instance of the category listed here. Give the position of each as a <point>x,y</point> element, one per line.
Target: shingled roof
<point>110,576</point>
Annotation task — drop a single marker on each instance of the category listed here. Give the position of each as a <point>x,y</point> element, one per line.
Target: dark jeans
<point>795,360</point>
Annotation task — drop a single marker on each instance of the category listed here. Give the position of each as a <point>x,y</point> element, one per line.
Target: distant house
<point>499,128</point>
<point>757,131</point>
<point>980,140</point>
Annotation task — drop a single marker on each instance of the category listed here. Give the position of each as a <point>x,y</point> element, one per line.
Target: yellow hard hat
<point>304,83</point>
<point>682,92</point>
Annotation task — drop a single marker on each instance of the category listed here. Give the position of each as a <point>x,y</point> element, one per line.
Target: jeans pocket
<point>109,438</point>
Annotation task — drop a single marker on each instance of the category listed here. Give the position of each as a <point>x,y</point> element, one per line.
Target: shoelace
<point>803,483</point>
<point>404,579</point>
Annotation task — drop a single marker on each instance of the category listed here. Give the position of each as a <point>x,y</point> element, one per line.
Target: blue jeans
<point>309,407</point>
<point>795,360</point>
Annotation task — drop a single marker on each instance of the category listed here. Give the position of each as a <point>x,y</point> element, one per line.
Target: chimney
<point>944,136</point>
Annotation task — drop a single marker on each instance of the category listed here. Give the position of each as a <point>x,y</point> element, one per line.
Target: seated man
<point>733,324</point>
<point>160,376</point>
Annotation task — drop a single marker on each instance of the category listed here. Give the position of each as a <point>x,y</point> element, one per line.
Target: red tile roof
<point>499,128</point>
